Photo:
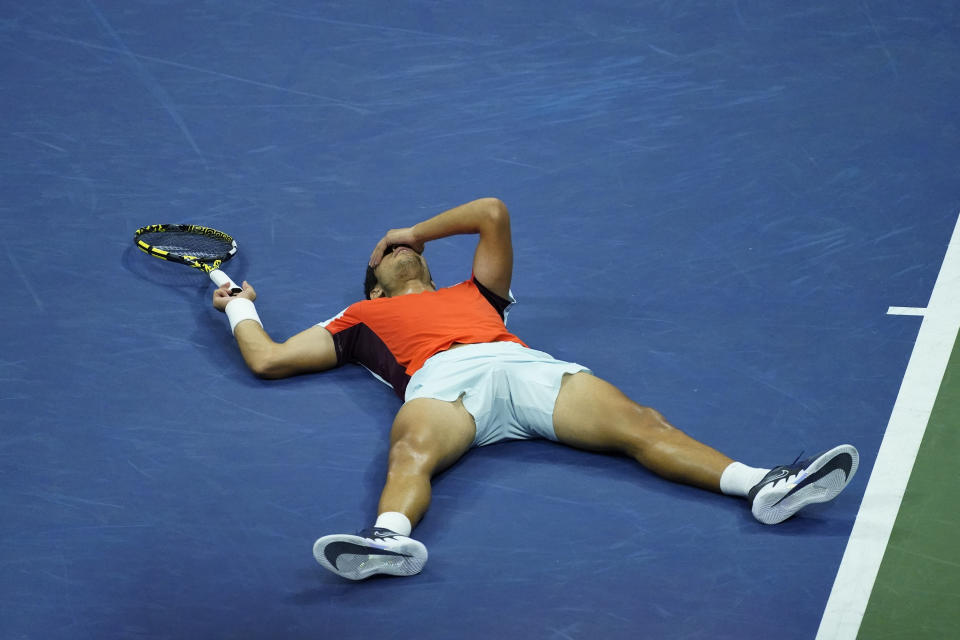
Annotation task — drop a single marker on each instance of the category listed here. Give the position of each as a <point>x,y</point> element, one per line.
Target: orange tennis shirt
<point>393,337</point>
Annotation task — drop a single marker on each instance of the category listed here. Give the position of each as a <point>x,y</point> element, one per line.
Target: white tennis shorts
<point>510,390</point>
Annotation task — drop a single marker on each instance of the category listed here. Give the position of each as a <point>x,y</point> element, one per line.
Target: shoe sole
<point>360,566</point>
<point>768,510</point>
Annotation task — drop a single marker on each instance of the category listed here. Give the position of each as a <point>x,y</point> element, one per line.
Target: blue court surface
<point>713,204</point>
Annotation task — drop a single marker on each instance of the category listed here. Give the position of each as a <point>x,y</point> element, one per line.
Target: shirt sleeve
<point>502,305</point>
<point>343,339</point>
<point>333,324</point>
<point>356,343</point>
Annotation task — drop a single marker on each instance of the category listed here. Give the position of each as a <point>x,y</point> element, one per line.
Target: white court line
<point>898,451</point>
<point>906,311</point>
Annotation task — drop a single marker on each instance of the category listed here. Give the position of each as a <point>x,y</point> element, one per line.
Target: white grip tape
<point>220,278</point>
<point>240,309</point>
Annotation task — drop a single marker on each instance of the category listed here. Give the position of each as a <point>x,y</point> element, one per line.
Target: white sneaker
<point>370,552</point>
<point>787,489</point>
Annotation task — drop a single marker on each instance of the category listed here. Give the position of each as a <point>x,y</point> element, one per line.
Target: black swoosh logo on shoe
<point>779,475</point>
<point>774,476</point>
<point>336,549</point>
<point>844,462</point>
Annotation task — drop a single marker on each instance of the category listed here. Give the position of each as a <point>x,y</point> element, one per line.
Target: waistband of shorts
<point>478,349</point>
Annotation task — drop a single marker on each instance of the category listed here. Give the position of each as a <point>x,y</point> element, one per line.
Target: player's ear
<point>376,292</point>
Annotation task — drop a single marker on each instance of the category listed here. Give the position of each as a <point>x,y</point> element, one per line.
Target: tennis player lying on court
<point>466,381</point>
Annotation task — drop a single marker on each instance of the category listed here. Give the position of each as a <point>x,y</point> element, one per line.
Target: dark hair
<point>369,282</point>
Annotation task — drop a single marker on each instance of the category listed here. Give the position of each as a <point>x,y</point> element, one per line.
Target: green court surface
<point>917,591</point>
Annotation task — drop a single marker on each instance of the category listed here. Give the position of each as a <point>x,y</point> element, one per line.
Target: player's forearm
<point>477,216</point>
<point>256,347</point>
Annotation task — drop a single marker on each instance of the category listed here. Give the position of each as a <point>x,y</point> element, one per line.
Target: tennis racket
<point>195,246</point>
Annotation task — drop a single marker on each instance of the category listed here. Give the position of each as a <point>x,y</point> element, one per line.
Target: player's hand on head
<point>405,236</point>
<point>222,295</point>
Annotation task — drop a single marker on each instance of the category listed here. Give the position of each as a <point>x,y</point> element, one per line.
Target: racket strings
<point>202,247</point>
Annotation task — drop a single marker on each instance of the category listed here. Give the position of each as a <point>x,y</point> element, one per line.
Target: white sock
<point>737,479</point>
<point>395,521</point>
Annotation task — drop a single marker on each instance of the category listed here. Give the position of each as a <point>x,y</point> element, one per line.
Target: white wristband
<point>240,309</point>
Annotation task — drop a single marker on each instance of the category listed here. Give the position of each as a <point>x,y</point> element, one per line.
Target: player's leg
<point>592,414</point>
<point>428,436</point>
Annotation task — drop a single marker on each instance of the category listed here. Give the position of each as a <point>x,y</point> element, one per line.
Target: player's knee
<point>653,419</point>
<point>412,452</point>
<point>647,427</point>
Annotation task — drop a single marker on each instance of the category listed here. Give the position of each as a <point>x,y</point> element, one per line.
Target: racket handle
<point>220,278</point>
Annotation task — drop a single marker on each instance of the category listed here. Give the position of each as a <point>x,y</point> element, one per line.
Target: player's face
<point>401,264</point>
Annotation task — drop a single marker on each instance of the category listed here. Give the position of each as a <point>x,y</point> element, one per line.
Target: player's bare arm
<point>309,351</point>
<point>488,217</point>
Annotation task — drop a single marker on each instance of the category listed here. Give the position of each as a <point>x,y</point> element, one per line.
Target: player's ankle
<point>395,521</point>
<point>737,479</point>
